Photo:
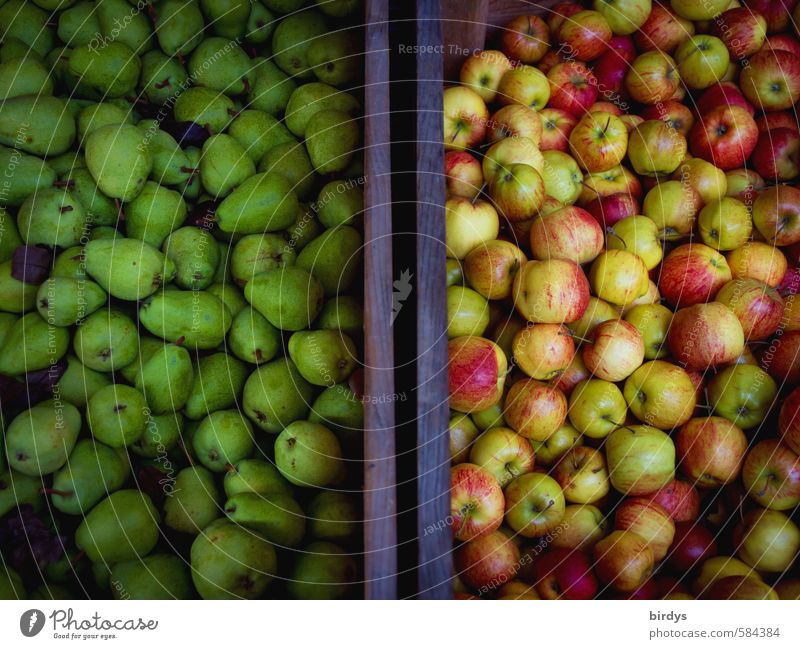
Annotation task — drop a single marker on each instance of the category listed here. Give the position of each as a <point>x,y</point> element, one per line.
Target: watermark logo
<point>402,289</point>
<point>31,622</point>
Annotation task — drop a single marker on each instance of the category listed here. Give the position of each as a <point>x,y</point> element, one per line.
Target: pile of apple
<point>623,238</point>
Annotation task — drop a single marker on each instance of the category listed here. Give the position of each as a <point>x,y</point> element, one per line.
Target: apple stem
<point>613,233</point>
<point>590,188</point>
<point>479,194</point>
<point>575,336</point>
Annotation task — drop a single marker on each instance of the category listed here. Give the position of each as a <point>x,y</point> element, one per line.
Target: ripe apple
<point>534,409</point>
<point>724,136</point>
<point>573,87</point>
<point>564,574</point>
<point>476,502</point>
<point>490,268</point>
<point>648,519</point>
<point>569,233</point>
<point>758,307</point>
<point>777,154</point>
<point>482,71</point>
<point>552,59</point>
<point>652,78</point>
<point>680,500</point>
<point>510,151</point>
<point>552,291</point>
<point>693,543</point>
<point>772,80</point>
<point>464,174</point>
<point>518,191</point>
<point>462,433</point>
<point>699,10</point>
<point>619,277</point>
<point>725,223</point>
<point>767,540</point>
<point>503,453</point>
<point>631,122</point>
<point>623,560</point>
<point>744,184</point>
<point>725,93</point>
<point>781,119</point>
<point>742,394</point>
<point>599,141</point>
<point>467,312</point>
<point>704,336</point>
<point>609,73</point>
<point>615,350</point>
<point>597,311</point>
<point>515,120</point>
<point>692,274</point>
<point>543,351</point>
<point>653,322</point>
<point>524,85</point>
<point>776,215</point>
<point>517,590</point>
<point>640,235</point>
<point>716,568</point>
<point>702,61</point>
<point>554,447</point>
<point>742,30</point>
<point>674,113</point>
<point>758,260</point>
<point>777,12</point>
<point>596,408</point>
<point>784,365</point>
<point>557,124</point>
<point>608,210</point>
<point>465,118</point>
<point>783,42</point>
<point>585,35</point>
<point>575,373</point>
<point>581,527</point>
<point>663,30</point>
<point>562,176</point>
<point>771,475</point>
<point>641,459</point>
<point>739,587</point>
<point>790,285</point>
<point>711,451</point>
<point>624,16</point>
<point>788,589</point>
<point>468,224</point>
<point>476,373</point>
<point>672,205</point>
<point>487,561</point>
<point>618,180</point>
<point>789,420</point>
<point>583,475</point>
<point>534,505</point>
<point>655,149</point>
<point>661,395</point>
<point>652,296</point>
<point>525,38</point>
<point>559,12</point>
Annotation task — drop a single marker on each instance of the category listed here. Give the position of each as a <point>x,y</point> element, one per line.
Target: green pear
<point>195,255</point>
<point>148,345</point>
<point>231,562</point>
<point>78,25</point>
<point>27,22</point>
<point>323,357</point>
<point>154,214</point>
<point>255,476</point>
<point>333,258</point>
<point>284,6</point>
<point>162,77</point>
<point>121,23</point>
<point>52,217</point>
<point>101,114</point>
<point>18,490</point>
<point>93,471</point>
<point>228,17</point>
<point>308,454</point>
<point>334,59</point>
<point>338,8</point>
<point>311,98</point>
<point>218,382</point>
<point>99,208</point>
<point>230,295</point>
<point>305,229</point>
<point>7,321</point>
<point>290,160</point>
<point>179,26</point>
<point>262,203</point>
<point>339,203</point>
<point>290,297</point>
<point>331,139</point>
<point>260,24</point>
<point>258,131</point>
<point>271,89</point>
<point>40,439</point>
<point>15,296</point>
<point>64,569</point>
<point>278,518</point>
<point>254,254</point>
<point>161,434</point>
<point>14,48</point>
<point>224,437</point>
<point>252,338</point>
<point>276,395</point>
<point>111,70</point>
<point>127,269</point>
<point>224,165</point>
<point>101,573</point>
<point>32,344</point>
<point>83,94</point>
<point>119,159</point>
<point>333,516</point>
<point>221,65</point>
<point>341,410</point>
<point>70,263</point>
<point>104,232</point>
<point>79,382</point>
<point>197,319</point>
<point>204,106</point>
<point>322,571</point>
<point>123,527</point>
<point>64,301</point>
<point>193,503</point>
<point>24,76</point>
<point>10,240</point>
<point>171,164</point>
<point>343,313</point>
<point>11,586</point>
<point>66,162</point>
<point>107,341</point>
<point>166,379</point>
<point>157,577</point>
<point>292,38</point>
<point>117,415</point>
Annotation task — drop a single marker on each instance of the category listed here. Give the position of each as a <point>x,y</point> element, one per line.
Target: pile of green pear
<point>200,436</point>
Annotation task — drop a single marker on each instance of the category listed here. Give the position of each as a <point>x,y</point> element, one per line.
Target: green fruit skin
<point>228,17</point>
<point>147,347</point>
<point>123,527</point>
<point>119,159</point>
<point>52,591</point>
<point>15,296</point>
<point>258,253</point>
<point>307,100</point>
<point>107,341</point>
<point>272,88</point>
<point>66,301</point>
<point>28,23</point>
<point>52,217</point>
<point>259,132</point>
<point>32,344</point>
<point>230,562</point>
<point>304,230</point>
<point>171,165</point>
<point>198,319</point>
<point>100,209</point>
<point>165,379</point>
<point>157,577</point>
<point>308,454</point>
<point>338,8</point>
<point>11,586</point>
<point>291,40</point>
<point>262,203</point>
<point>290,160</point>
<point>255,476</point>
<point>196,256</point>
<point>101,114</point>
<point>117,415</point>
<point>127,269</point>
<point>18,489</point>
<point>179,27</point>
<point>331,139</point>
<point>111,70</point>
<point>333,516</point>
<point>275,395</point>
<point>252,338</point>
<point>39,440</point>
<point>224,437</point>
<point>290,298</point>
<point>161,78</point>
<point>205,107</point>
<point>161,434</point>
<point>333,58</point>
<point>339,409</point>
<point>93,471</point>
<point>67,162</point>
<point>260,24</point>
<point>7,321</point>
<point>39,125</point>
<point>224,165</point>
<point>742,394</point>
<point>339,203</point>
<point>323,357</point>
<point>343,313</point>
<point>154,214</point>
<point>10,239</point>
<point>278,518</point>
<point>221,65</point>
<point>333,258</point>
<point>24,175</point>
<point>194,501</point>
<point>79,383</point>
<point>323,571</point>
<point>218,383</point>
<point>231,296</point>
<point>129,26</point>
<point>78,25</point>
